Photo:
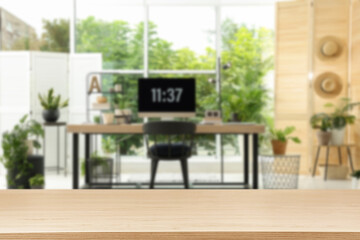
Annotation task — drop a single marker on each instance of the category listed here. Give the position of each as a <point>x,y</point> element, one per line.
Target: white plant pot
<point>337,136</point>
<point>355,183</point>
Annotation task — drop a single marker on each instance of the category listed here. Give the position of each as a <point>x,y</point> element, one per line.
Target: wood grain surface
<point>179,214</point>
<point>137,128</point>
<point>292,61</point>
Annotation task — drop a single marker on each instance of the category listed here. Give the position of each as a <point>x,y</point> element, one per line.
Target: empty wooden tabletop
<point>179,214</point>
<point>137,128</point>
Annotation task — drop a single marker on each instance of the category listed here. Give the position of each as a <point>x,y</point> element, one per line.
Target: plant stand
<point>57,125</point>
<point>347,146</point>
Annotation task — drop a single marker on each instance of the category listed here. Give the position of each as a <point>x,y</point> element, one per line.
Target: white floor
<point>201,170</point>
<point>55,181</point>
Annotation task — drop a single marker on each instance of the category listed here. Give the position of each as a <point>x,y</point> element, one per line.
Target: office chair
<point>169,150</point>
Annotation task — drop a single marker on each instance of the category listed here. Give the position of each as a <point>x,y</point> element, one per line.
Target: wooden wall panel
<point>291,81</point>
<point>355,76</point>
<point>331,18</point>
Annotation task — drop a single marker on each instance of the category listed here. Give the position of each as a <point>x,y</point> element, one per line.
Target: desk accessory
<point>212,116</point>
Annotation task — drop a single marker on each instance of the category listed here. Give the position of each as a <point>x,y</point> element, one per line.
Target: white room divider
<point>24,74</point>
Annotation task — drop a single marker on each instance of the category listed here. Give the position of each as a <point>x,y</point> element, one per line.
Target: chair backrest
<point>180,132</point>
<point>169,128</point>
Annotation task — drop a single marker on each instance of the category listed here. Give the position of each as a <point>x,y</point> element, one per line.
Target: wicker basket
<point>280,171</point>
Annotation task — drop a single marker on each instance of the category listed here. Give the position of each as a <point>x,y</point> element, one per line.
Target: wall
<point>355,74</point>
<point>300,27</point>
<point>291,68</point>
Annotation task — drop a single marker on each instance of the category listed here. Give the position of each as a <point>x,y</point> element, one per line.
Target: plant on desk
<point>51,105</point>
<point>37,181</point>
<point>280,137</point>
<point>15,144</point>
<point>323,122</point>
<point>340,118</point>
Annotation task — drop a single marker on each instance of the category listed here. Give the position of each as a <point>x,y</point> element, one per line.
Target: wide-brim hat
<point>328,85</point>
<point>329,48</point>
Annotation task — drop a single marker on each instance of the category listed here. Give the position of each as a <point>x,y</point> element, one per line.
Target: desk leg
<point>246,159</point>
<point>255,160</point>
<point>75,160</point>
<point>58,150</point>
<point>87,158</point>
<point>65,154</point>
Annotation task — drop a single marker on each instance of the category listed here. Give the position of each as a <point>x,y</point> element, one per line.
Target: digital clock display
<point>166,95</point>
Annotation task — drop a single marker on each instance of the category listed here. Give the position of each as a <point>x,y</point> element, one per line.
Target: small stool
<point>347,146</point>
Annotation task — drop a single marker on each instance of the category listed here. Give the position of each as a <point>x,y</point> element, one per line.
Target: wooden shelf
<point>106,92</point>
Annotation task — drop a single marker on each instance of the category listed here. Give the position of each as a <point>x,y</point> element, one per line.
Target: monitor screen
<point>163,97</point>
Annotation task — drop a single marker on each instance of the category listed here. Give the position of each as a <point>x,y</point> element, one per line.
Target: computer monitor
<point>166,97</point>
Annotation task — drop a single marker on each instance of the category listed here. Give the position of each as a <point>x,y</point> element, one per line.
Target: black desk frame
<point>245,184</point>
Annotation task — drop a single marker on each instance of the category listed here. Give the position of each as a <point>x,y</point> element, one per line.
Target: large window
<point>181,37</point>
<point>114,28</point>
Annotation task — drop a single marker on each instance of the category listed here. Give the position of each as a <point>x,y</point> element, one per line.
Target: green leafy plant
<point>15,148</point>
<point>96,159</point>
<point>37,180</point>
<point>321,121</point>
<point>356,174</point>
<point>283,135</point>
<point>120,101</point>
<point>51,102</point>
<point>108,144</point>
<point>340,116</point>
<point>97,119</point>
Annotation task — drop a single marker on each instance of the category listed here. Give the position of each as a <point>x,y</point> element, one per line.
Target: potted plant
<point>108,145</point>
<point>279,139</point>
<point>356,179</point>
<point>322,121</point>
<point>123,115</point>
<point>97,119</point>
<point>108,117</point>
<point>51,105</point>
<point>15,152</point>
<point>340,118</point>
<point>100,168</point>
<point>37,181</point>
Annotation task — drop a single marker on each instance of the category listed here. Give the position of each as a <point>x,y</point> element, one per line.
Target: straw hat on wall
<point>328,85</point>
<point>329,48</point>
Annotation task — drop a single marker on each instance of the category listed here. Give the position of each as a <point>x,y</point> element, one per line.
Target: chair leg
<point>184,169</point>
<point>154,164</point>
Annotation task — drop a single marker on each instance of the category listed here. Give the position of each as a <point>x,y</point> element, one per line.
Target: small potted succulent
<point>37,181</point>
<point>356,179</point>
<point>51,105</point>
<point>279,139</point>
<point>97,119</point>
<point>323,122</point>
